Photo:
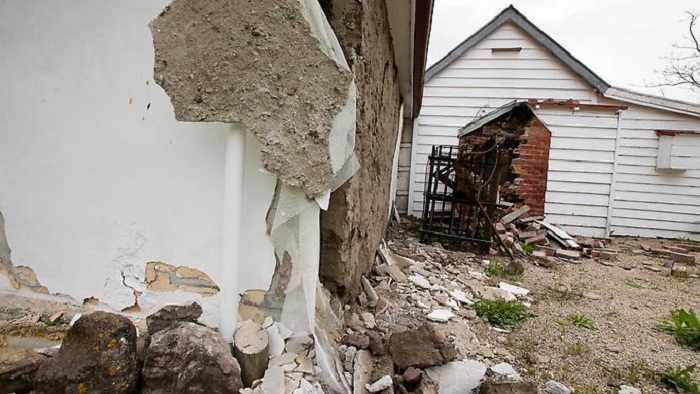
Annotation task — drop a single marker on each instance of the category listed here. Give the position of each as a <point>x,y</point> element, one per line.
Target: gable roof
<point>648,100</point>
<point>489,117</point>
<point>512,15</point>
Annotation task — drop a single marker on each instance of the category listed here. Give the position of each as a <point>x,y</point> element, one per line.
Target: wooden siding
<point>645,202</point>
<point>650,202</point>
<point>480,81</point>
<point>580,168</point>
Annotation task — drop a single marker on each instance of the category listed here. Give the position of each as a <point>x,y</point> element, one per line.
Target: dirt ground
<point>625,299</point>
<point>625,304</point>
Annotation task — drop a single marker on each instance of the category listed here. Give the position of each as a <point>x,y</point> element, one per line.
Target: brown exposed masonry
<point>669,133</point>
<point>574,104</point>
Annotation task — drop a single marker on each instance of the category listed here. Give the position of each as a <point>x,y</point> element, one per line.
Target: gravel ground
<point>625,301</point>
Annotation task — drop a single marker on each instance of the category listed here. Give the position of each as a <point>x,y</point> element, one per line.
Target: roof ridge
<point>513,15</point>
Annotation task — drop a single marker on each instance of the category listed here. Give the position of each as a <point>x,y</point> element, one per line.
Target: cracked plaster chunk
<point>165,277</point>
<point>260,64</point>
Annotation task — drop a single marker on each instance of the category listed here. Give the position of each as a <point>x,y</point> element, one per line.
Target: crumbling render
<point>165,277</point>
<point>19,276</point>
<point>276,67</point>
<point>258,63</point>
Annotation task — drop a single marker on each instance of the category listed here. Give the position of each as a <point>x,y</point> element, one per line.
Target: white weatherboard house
<point>620,162</point>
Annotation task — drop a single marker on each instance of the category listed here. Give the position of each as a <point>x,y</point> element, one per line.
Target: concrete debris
<point>458,377</point>
<point>490,387</point>
<point>420,281</point>
<point>554,387</point>
<point>440,315</point>
<point>624,389</point>
<point>420,348</point>
<point>505,371</point>
<point>382,384</point>
<point>515,290</point>
<point>495,293</point>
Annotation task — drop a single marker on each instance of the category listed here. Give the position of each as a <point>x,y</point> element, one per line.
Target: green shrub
<point>681,379</point>
<point>685,327</point>
<point>501,313</point>
<point>582,321</point>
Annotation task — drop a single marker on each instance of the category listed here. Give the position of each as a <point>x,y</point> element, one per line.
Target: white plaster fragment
<point>276,342</point>
<point>382,384</point>
<point>516,290</point>
<point>458,377</point>
<point>440,315</point>
<point>461,296</point>
<point>273,381</point>
<point>420,281</point>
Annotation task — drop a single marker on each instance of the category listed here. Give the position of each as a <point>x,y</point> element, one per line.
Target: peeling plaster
<point>262,64</point>
<point>165,277</point>
<point>20,277</point>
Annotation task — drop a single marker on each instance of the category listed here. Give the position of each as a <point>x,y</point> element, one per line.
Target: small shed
<point>607,160</point>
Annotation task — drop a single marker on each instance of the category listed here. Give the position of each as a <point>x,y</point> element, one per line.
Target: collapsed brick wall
<point>355,222</point>
<point>531,165</point>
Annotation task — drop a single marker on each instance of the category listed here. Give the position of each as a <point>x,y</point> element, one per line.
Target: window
<point>678,150</point>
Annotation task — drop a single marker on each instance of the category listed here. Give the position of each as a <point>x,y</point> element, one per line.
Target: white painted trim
<point>395,166</point>
<point>234,171</point>
<point>414,156</point>
<point>663,154</point>
<point>648,100</point>
<point>613,178</point>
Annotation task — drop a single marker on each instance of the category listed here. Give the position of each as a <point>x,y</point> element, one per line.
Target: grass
<point>528,249</point>
<point>634,284</point>
<point>578,349</point>
<point>684,326</point>
<point>576,292</point>
<point>633,373</point>
<point>582,321</point>
<point>681,379</point>
<point>496,269</point>
<point>501,313</point>
<point>50,323</point>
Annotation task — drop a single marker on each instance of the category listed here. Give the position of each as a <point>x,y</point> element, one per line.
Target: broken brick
<point>537,240</point>
<point>690,247</point>
<point>607,255</point>
<point>682,258</point>
<point>527,234</point>
<point>568,254</point>
<point>546,249</point>
<point>676,249</point>
<point>500,228</point>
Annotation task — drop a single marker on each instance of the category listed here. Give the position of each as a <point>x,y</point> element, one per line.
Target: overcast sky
<point>623,41</point>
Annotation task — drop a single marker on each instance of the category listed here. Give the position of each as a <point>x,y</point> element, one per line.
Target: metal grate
<point>455,179</point>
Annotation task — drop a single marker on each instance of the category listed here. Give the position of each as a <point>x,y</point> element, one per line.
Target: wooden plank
<point>585,177</point>
<point>653,206</point>
<point>606,145</point>
<point>579,166</point>
<point>560,234</point>
<point>653,233</point>
<point>581,155</point>
<point>573,209</point>
<point>515,214</point>
<point>573,185</point>
<point>578,220</point>
<point>656,224</point>
<point>658,198</point>
<point>577,198</point>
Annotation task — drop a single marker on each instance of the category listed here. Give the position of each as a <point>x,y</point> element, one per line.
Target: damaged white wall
<point>96,176</point>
